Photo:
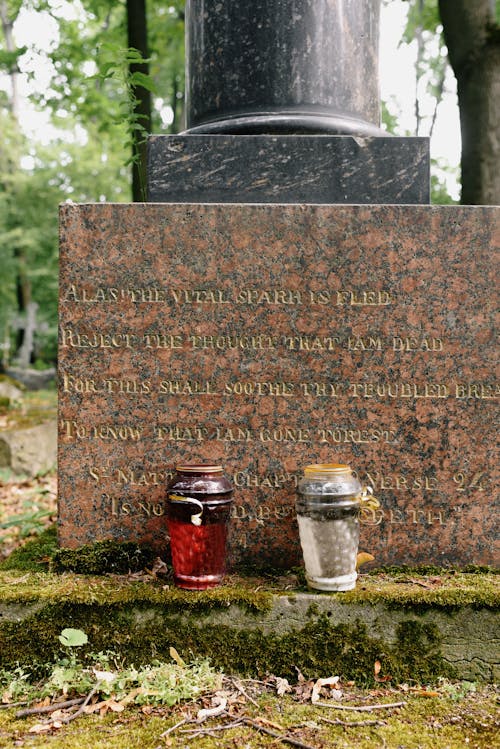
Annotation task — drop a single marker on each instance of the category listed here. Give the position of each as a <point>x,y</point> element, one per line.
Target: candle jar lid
<point>198,468</point>
<point>199,480</point>
<point>333,479</point>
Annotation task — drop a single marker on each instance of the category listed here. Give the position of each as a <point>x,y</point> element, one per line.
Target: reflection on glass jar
<point>198,506</point>
<point>328,503</point>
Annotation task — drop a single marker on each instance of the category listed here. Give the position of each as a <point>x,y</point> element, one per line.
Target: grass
<point>424,722</point>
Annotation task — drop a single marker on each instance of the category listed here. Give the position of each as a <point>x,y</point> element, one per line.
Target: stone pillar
<point>282,66</point>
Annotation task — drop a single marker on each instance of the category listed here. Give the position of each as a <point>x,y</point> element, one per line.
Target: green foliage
<point>90,95</point>
<point>30,523</point>
<point>33,556</point>
<point>73,638</point>
<point>157,683</point>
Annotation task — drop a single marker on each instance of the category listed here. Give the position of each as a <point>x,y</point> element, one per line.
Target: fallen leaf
<point>320,683</point>
<point>40,728</point>
<point>106,676</point>
<point>282,686</point>
<point>176,657</point>
<point>425,693</point>
<point>211,712</point>
<point>362,558</point>
<point>376,667</point>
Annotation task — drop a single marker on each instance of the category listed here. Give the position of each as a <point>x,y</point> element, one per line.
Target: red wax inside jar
<point>198,553</point>
<point>199,499</point>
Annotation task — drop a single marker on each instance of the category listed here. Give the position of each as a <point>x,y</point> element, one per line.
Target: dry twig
<point>11,705</point>
<point>284,738</point>
<point>242,691</point>
<point>194,733</point>
<point>82,707</point>
<point>173,728</point>
<point>362,708</point>
<point>49,708</point>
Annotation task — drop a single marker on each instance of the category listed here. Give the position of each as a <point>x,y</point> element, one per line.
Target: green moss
<point>11,381</point>
<point>101,557</point>
<point>449,591</point>
<point>320,649</point>
<point>35,555</point>
<point>419,724</point>
<point>432,569</point>
<point>140,633</point>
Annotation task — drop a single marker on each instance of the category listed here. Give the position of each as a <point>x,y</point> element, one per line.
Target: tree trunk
<point>23,284</point>
<point>7,25</point>
<point>473,40</point>
<point>137,38</point>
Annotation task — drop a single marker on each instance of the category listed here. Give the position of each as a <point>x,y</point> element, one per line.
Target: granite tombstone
<point>266,337</point>
<point>280,330</point>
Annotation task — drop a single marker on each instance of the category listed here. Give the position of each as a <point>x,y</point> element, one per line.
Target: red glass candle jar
<point>198,504</point>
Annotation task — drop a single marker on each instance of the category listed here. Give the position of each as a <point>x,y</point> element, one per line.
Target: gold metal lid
<point>328,469</point>
<point>198,468</point>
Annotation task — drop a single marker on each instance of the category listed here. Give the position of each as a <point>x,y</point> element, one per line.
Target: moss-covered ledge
<point>418,627</point>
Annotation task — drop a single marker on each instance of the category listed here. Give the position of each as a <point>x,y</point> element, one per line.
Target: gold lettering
<point>398,390</point>
<point>69,338</point>
<point>243,342</point>
<point>284,434</point>
<point>396,517</point>
<point>284,389</point>
<point>363,298</point>
<point>199,296</point>
<point>342,435</point>
<point>276,297</point>
<point>262,514</point>
<point>319,389</point>
<point>310,343</point>
<point>358,343</point>
<point>231,434</point>
<point>150,295</point>
<point>76,294</point>
<point>477,390</point>
<point>162,341</point>
<point>119,432</point>
<point>187,387</point>
<point>417,344</point>
<point>431,517</point>
<point>179,433</point>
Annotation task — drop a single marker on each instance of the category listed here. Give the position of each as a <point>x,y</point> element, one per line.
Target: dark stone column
<point>282,66</point>
<point>283,107</point>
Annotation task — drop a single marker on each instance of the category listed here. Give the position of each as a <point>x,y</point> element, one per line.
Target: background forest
<point>113,71</point>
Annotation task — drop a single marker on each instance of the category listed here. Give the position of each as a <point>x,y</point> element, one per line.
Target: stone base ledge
<point>418,630</point>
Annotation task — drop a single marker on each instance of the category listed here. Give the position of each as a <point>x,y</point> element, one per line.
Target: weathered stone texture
<point>268,337</point>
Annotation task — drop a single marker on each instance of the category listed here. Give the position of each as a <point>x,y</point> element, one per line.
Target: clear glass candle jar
<point>328,504</point>
<point>198,505</point>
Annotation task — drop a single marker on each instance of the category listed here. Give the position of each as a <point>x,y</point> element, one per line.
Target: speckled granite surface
<point>287,63</point>
<point>288,169</point>
<point>267,337</point>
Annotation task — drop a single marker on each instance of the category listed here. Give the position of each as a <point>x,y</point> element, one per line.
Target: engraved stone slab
<point>288,169</point>
<point>267,337</point>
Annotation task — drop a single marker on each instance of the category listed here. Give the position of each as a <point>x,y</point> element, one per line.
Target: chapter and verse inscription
<point>191,334</point>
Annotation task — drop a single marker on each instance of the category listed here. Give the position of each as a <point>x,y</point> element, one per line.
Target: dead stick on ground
<point>276,735</point>
<point>82,706</point>
<point>194,733</point>
<point>49,708</point>
<point>353,724</point>
<point>173,728</point>
<point>361,708</point>
<point>12,705</point>
<point>242,691</point>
